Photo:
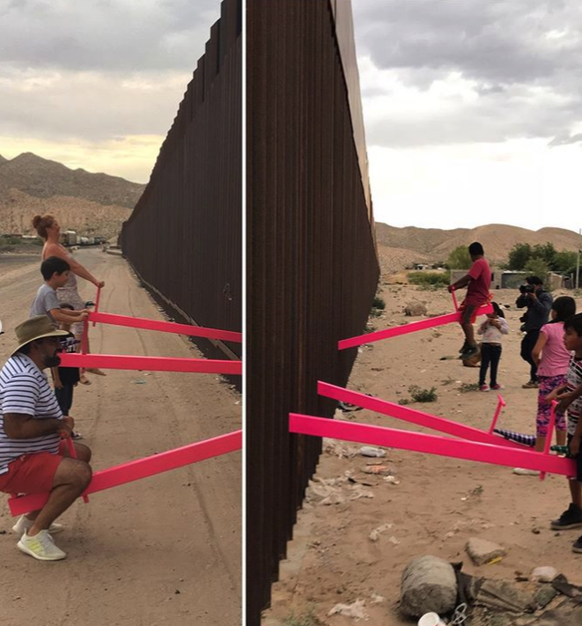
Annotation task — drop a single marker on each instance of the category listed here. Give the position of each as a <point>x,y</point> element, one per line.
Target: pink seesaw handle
<point>550,434</point>
<point>97,298</point>
<point>455,303</point>
<point>142,468</point>
<point>500,405</point>
<point>73,455</point>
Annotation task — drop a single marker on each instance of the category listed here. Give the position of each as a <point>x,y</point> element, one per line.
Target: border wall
<point>312,267</point>
<point>184,237</point>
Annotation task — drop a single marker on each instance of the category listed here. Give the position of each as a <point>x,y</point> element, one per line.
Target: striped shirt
<point>25,389</point>
<point>573,379</point>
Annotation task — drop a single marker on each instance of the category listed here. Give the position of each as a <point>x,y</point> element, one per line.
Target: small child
<point>492,329</point>
<point>572,518</point>
<point>552,359</point>
<point>55,272</point>
<point>66,378</point>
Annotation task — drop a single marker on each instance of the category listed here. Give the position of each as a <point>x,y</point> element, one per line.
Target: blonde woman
<point>49,231</point>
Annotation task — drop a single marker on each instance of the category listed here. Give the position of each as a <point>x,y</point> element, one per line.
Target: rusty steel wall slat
<point>184,237</point>
<point>312,269</point>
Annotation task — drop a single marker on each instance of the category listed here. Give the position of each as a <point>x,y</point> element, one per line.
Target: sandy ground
<point>438,503</point>
<point>165,550</point>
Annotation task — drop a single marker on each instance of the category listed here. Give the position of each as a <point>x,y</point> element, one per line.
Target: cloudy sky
<point>97,84</point>
<point>473,111</point>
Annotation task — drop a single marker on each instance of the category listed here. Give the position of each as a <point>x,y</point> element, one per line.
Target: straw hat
<point>37,327</point>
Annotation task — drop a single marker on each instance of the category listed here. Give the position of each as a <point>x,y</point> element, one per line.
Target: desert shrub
<point>6,240</point>
<point>422,395</point>
<point>378,303</point>
<point>306,618</point>
<point>428,279</point>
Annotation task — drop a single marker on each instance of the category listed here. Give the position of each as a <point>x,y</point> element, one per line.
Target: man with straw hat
<point>33,458</point>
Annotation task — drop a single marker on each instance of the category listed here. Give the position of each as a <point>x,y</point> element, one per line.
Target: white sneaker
<point>41,547</point>
<point>24,524</point>
<point>520,471</point>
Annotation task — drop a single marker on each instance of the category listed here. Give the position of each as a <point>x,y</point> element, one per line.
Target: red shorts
<point>468,313</point>
<point>31,473</point>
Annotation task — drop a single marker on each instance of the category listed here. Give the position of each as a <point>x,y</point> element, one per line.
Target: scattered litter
<point>337,448</point>
<point>381,470</point>
<point>376,599</point>
<point>394,540</point>
<point>138,382</point>
<point>392,480</point>
<point>348,408</point>
<point>354,610</point>
<point>359,492</point>
<point>375,534</point>
<point>329,491</point>
<point>544,574</point>
<point>373,452</point>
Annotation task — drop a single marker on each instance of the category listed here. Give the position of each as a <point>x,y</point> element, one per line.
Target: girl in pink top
<point>552,358</point>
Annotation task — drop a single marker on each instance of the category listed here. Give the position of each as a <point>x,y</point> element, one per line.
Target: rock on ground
<point>428,584</point>
<point>415,309</point>
<point>482,551</point>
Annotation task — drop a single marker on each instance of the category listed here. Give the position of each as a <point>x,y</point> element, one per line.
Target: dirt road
<point>165,550</point>
<point>433,504</point>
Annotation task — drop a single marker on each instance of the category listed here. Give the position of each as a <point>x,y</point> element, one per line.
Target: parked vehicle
<point>69,238</point>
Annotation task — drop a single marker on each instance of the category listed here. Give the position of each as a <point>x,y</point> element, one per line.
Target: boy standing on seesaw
<point>478,281</point>
<point>572,517</point>
<point>55,272</point>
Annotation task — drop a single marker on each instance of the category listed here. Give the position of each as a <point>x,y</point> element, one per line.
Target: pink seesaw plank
<point>142,468</point>
<point>413,327</point>
<point>430,444</point>
<point>411,415</point>
<point>151,363</point>
<point>143,323</point>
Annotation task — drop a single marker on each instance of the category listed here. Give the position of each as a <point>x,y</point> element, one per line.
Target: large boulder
<point>429,584</point>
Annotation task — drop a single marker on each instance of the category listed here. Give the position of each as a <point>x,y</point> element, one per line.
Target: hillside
<point>89,203</point>
<point>399,247</point>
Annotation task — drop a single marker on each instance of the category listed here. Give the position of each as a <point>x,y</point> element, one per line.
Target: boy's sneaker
<point>24,524</point>
<point>496,387</point>
<point>572,518</point>
<point>532,384</point>
<point>483,387</point>
<point>577,546</point>
<point>41,547</point>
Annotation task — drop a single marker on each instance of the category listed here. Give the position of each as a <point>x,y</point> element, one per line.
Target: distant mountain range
<point>89,203</point>
<point>401,247</point>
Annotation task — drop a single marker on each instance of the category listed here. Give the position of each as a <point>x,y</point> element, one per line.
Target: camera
<point>523,289</point>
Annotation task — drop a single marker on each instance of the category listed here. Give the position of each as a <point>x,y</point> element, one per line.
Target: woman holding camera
<point>538,303</point>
